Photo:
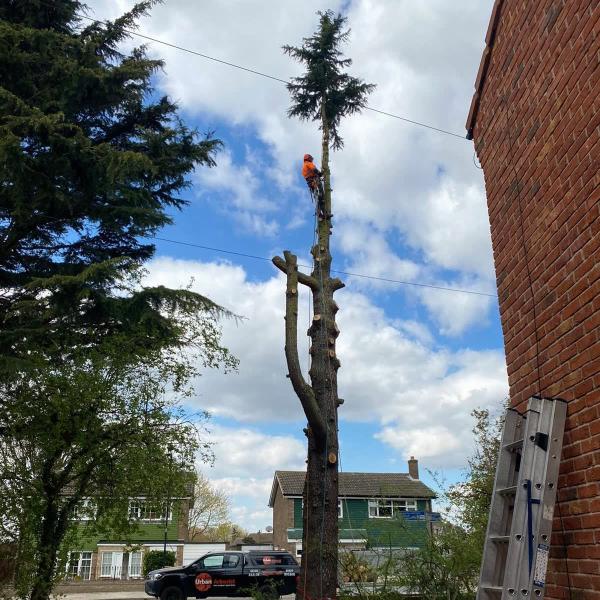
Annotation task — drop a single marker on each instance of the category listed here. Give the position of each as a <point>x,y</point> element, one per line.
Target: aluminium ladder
<point>515,555</point>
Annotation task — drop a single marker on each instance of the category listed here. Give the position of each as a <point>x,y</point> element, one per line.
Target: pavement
<point>118,595</point>
<point>112,595</point>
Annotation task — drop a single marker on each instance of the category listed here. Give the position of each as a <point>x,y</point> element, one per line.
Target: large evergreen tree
<point>325,94</point>
<point>91,163</point>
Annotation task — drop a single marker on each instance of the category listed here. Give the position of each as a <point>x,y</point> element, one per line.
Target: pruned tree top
<point>325,80</point>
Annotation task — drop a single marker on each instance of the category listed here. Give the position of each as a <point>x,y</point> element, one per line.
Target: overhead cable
<point>347,273</point>
<point>266,75</point>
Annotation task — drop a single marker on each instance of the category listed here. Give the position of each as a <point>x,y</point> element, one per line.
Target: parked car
<point>271,572</point>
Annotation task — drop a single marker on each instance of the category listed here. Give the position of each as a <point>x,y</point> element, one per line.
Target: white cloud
<point>245,460</point>
<point>392,373</point>
<point>243,451</point>
<point>240,194</point>
<point>419,183</point>
<point>424,442</point>
<point>393,183</point>
<point>371,254</point>
<point>454,312</point>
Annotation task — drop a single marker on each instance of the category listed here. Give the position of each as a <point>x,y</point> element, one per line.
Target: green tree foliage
<point>447,568</point>
<point>91,162</point>
<point>93,365</point>
<point>157,559</point>
<point>326,91</point>
<point>98,429</point>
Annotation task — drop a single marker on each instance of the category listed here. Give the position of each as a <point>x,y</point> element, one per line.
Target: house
<point>102,555</point>
<point>534,119</point>
<point>253,541</point>
<point>374,509</point>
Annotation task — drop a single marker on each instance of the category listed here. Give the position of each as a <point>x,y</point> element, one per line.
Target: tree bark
<point>319,400</point>
<point>52,532</point>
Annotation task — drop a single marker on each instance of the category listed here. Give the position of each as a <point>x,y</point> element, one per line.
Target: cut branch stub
<point>336,284</point>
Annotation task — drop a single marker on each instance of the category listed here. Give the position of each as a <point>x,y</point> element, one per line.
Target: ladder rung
<point>513,445</point>
<point>508,491</point>
<point>500,539</point>
<point>492,588</point>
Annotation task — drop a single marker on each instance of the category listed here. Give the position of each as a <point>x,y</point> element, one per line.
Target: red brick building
<point>535,120</point>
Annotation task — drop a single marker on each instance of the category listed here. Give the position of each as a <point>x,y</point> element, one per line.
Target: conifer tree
<point>91,163</point>
<point>325,94</point>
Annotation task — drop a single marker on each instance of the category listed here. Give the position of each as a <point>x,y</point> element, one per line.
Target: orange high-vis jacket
<point>309,170</point>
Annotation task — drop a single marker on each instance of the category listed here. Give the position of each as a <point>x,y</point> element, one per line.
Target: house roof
<point>490,38</point>
<point>357,485</point>
<point>259,538</point>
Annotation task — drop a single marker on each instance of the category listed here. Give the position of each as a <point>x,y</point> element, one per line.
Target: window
<point>141,510</point>
<point>386,508</point>
<point>215,561</point>
<point>135,564</point>
<point>268,560</point>
<point>220,561</point>
<point>111,564</point>
<point>84,511</point>
<point>340,509</point>
<point>79,565</point>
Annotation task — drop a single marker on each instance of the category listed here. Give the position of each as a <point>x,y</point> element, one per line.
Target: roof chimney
<point>413,467</point>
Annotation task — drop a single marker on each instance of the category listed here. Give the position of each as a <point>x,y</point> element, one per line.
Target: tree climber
<point>313,179</point>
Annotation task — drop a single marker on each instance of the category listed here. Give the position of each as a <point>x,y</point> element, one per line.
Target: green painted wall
<point>380,532</point>
<point>298,513</point>
<point>87,536</point>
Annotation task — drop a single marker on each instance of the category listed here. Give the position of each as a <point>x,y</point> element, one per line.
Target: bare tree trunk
<point>319,401</point>
<point>51,536</point>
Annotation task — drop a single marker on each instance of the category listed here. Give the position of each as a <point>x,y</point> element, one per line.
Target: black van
<point>272,572</point>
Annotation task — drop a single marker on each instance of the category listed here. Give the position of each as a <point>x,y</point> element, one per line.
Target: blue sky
<point>409,204</point>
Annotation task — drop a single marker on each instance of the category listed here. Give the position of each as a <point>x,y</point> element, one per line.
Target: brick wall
<point>283,518</point>
<point>536,125</point>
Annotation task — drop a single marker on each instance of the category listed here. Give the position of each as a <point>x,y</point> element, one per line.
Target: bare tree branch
<point>304,279</point>
<point>302,389</point>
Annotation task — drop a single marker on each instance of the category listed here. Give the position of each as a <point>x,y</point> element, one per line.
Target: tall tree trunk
<point>319,400</point>
<point>50,538</point>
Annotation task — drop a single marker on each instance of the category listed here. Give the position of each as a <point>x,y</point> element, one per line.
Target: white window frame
<point>115,565</point>
<point>137,511</point>
<point>340,508</point>
<point>137,574</point>
<point>80,564</point>
<point>410,505</point>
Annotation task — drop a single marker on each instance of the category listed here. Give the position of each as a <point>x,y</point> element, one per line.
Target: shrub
<point>157,559</point>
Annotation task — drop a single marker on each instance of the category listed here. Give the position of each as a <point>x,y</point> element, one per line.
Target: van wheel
<point>172,593</point>
<point>270,592</point>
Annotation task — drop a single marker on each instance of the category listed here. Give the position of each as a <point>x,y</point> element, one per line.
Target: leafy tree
<point>98,428</point>
<point>447,568</point>
<point>91,162</point>
<point>224,532</point>
<point>93,365</point>
<point>211,508</point>
<point>326,94</point>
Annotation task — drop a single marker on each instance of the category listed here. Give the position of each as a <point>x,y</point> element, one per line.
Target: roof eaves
<point>274,489</point>
<point>490,38</point>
